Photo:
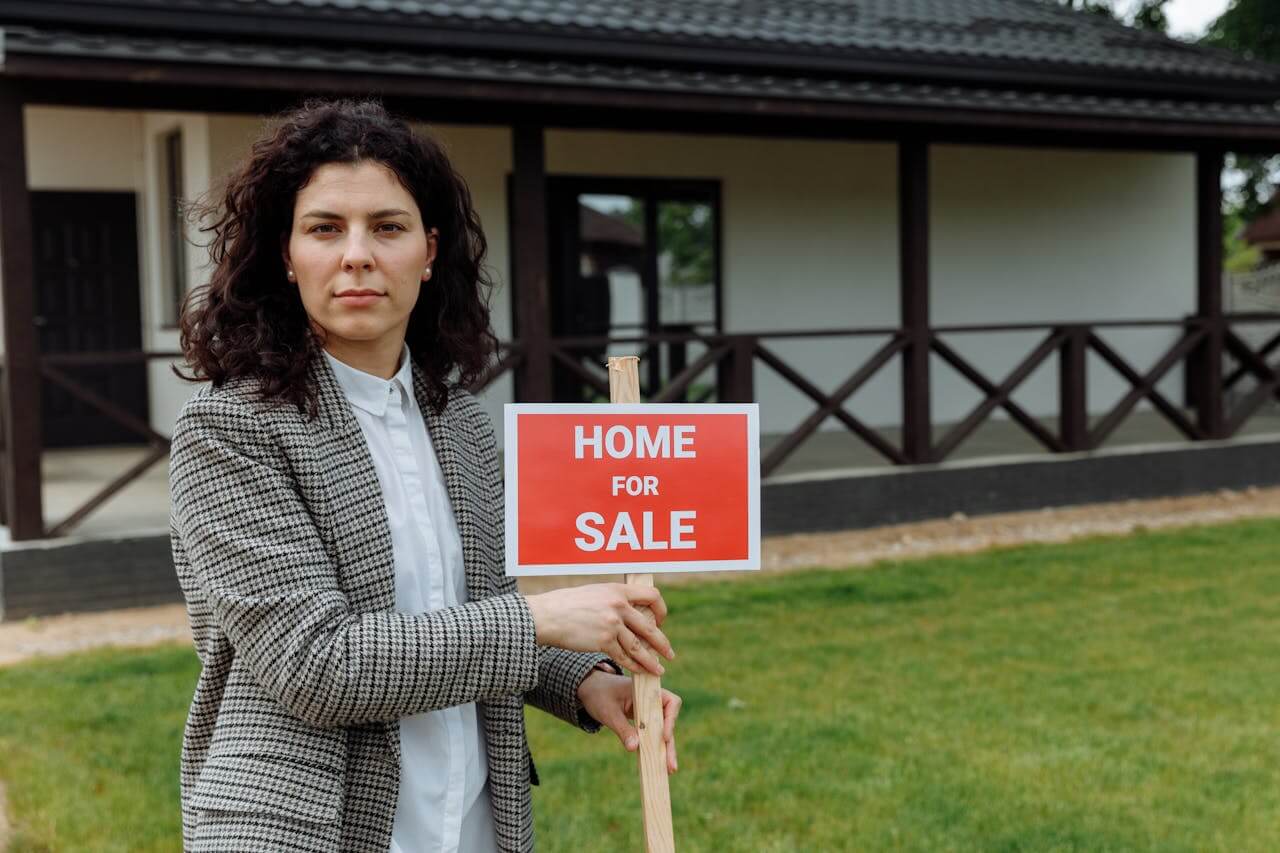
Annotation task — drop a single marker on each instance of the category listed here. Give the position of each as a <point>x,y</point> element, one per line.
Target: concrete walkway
<point>5,829</point>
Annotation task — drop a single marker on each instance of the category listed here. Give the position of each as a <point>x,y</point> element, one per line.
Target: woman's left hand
<point>608,698</point>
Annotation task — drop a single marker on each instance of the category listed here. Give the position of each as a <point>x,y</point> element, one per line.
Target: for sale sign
<point>624,487</point>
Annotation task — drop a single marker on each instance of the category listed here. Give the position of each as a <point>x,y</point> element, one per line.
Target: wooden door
<point>87,300</point>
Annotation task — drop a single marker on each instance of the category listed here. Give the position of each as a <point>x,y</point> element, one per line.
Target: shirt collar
<point>370,392</point>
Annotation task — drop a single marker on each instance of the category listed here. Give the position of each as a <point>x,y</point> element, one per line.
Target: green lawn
<point>1113,694</point>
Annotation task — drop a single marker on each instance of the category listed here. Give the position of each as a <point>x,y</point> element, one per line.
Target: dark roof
<point>973,39</point>
<point>597,227</point>
<point>1026,56</point>
<point>639,78</point>
<point>1264,229</point>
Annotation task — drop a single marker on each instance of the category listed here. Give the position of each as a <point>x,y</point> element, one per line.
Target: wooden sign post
<point>655,793</point>
<point>625,488</point>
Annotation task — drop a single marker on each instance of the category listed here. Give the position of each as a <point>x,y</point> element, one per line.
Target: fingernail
<point>632,743</point>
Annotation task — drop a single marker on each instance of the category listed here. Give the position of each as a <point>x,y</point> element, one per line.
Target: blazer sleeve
<point>273,589</point>
<point>560,672</point>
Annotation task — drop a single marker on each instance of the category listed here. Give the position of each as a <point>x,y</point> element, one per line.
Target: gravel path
<point>146,626</point>
<point>5,829</point>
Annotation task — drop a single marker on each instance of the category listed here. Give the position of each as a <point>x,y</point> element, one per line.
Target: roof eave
<point>168,85</point>
<point>290,27</point>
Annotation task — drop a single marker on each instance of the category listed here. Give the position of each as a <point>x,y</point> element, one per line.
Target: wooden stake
<point>655,794</point>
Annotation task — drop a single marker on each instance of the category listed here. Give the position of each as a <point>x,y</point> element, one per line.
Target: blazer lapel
<point>448,439</point>
<point>357,515</point>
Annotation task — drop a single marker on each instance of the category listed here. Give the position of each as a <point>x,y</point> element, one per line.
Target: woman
<point>336,520</point>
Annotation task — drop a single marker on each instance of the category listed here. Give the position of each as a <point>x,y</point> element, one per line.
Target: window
<point>174,240</point>
<point>634,257</point>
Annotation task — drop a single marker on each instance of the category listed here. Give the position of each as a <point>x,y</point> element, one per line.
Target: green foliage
<point>1109,694</point>
<point>686,233</point>
<point>1238,256</point>
<point>1250,29</point>
<point>1149,15</point>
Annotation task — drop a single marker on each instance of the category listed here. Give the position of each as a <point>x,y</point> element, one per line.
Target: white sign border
<point>511,487</point>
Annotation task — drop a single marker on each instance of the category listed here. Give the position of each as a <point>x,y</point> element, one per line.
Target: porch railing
<point>729,365</point>
<point>737,358</point>
<point>59,369</point>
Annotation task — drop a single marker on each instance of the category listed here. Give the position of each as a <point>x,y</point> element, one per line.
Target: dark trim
<point>649,276</point>
<point>717,235</point>
<point>20,387</point>
<point>530,271</point>
<point>700,189</point>
<point>913,296</point>
<point>916,494</point>
<point>302,24</point>
<point>1073,387</point>
<point>173,245</point>
<point>222,89</point>
<point>1206,362</point>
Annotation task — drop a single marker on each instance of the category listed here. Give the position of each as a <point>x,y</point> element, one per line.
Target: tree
<point>1250,29</point>
<point>686,233</point>
<point>1148,16</point>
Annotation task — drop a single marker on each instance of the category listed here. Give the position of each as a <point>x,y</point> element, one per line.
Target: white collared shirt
<point>443,804</point>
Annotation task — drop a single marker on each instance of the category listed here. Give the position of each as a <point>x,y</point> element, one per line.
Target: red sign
<point>625,487</point>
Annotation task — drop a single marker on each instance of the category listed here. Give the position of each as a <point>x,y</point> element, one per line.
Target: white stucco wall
<point>1023,236</point>
<point>63,155</point>
<point>483,156</point>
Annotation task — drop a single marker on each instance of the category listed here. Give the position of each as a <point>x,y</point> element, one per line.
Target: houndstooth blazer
<point>281,544</point>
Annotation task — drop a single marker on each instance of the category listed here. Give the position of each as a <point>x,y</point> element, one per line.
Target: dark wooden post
<point>1073,403</point>
<point>1205,362</point>
<point>913,244</point>
<point>530,270</point>
<point>20,387</point>
<point>736,371</point>
<point>649,275</point>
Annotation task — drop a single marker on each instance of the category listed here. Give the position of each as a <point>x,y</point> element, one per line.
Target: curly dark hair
<point>248,321</point>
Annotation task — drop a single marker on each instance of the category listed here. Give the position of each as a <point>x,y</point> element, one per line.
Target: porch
<point>1090,374</point>
<point>127,486</point>
<point>972,286</point>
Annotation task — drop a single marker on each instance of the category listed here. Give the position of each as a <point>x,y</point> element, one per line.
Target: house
<point>965,254</point>
<point>1264,233</point>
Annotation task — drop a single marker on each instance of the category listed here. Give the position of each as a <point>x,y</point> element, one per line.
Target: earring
<point>428,272</point>
<point>290,275</point>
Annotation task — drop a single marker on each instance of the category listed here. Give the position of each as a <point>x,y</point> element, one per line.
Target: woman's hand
<point>608,698</point>
<point>603,617</point>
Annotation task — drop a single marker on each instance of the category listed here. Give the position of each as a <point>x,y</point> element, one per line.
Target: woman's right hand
<point>603,617</point>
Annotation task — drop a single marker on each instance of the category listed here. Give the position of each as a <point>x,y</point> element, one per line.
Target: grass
<point>1110,694</point>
